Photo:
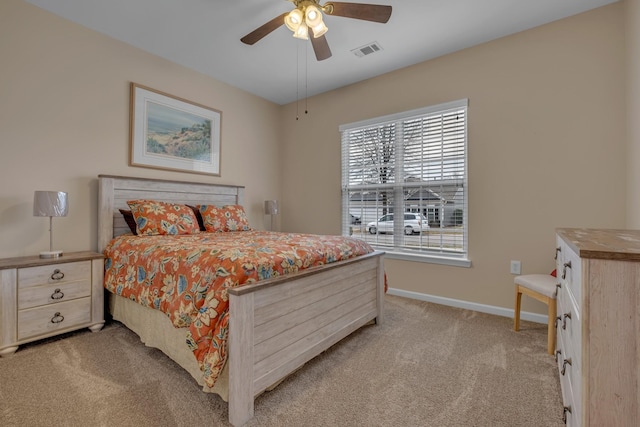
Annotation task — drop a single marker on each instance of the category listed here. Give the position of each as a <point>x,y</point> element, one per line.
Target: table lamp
<point>50,203</point>
<point>271,208</point>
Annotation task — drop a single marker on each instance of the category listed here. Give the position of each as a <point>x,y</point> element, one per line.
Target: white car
<point>413,223</point>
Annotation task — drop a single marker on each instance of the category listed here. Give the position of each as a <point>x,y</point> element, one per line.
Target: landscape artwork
<point>171,133</point>
<point>177,133</point>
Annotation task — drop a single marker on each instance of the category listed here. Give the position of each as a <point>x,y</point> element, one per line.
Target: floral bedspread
<point>188,276</point>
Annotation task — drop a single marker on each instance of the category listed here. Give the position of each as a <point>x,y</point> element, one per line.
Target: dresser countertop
<point>622,245</point>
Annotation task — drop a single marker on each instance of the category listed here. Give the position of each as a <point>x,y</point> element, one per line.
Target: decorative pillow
<point>226,218</point>
<point>154,218</point>
<point>129,219</point>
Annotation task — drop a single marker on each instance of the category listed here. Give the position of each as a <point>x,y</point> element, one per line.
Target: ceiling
<point>204,35</point>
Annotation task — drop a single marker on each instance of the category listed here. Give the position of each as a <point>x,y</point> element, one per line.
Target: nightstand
<point>42,297</point>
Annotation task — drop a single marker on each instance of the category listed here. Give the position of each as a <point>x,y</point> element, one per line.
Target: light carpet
<point>427,365</point>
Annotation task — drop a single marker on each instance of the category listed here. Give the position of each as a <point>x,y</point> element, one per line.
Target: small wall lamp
<point>50,203</point>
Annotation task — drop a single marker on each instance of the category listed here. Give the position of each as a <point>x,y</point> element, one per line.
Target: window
<point>413,163</point>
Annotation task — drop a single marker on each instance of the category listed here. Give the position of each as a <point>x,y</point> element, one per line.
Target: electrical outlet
<point>515,267</point>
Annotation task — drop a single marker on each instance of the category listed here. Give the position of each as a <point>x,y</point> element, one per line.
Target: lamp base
<point>50,254</point>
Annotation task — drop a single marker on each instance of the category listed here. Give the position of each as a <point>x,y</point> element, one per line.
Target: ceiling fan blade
<point>257,34</point>
<point>367,12</point>
<point>320,46</point>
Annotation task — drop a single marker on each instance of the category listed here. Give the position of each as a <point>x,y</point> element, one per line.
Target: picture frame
<point>171,133</point>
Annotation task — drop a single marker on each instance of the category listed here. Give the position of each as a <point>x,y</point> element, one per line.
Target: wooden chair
<point>543,288</point>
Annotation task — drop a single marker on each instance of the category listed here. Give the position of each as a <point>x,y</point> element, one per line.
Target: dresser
<point>598,326</point>
<point>42,297</point>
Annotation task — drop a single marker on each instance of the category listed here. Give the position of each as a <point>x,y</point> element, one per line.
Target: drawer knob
<point>57,318</point>
<point>564,365</point>
<point>57,294</point>
<point>555,323</point>
<point>558,249</point>
<point>564,269</point>
<point>567,409</point>
<point>564,320</point>
<point>57,275</point>
<point>558,353</point>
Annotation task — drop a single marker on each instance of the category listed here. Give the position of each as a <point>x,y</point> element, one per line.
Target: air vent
<point>367,49</point>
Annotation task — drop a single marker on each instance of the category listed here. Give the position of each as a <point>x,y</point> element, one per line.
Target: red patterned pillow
<point>226,218</point>
<point>154,218</point>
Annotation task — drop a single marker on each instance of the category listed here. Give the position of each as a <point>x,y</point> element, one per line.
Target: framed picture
<point>171,133</point>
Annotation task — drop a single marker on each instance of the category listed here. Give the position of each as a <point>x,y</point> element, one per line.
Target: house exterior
<point>441,208</point>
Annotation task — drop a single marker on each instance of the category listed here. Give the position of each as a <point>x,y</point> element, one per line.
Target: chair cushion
<point>544,284</point>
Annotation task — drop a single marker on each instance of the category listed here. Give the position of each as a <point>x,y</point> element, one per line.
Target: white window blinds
<point>404,181</point>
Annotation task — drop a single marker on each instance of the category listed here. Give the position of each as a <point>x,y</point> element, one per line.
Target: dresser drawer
<point>571,412</point>
<point>569,271</point>
<point>54,274</point>
<point>53,317</point>
<point>35,296</point>
<point>569,380</point>
<point>570,374</point>
<point>569,323</point>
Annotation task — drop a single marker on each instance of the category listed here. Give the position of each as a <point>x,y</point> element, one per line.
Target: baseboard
<point>483,308</point>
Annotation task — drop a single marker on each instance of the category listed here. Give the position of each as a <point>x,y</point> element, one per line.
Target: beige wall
<point>632,39</point>
<point>546,139</point>
<point>64,119</point>
<point>546,148</point>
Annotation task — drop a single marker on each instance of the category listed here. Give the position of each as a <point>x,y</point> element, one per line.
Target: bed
<point>275,325</point>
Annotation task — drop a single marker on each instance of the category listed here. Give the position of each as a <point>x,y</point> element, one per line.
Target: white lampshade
<point>319,29</point>
<point>302,32</point>
<point>312,16</point>
<point>50,203</point>
<point>271,207</point>
<point>293,19</point>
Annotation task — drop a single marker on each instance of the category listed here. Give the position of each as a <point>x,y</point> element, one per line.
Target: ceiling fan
<point>306,21</point>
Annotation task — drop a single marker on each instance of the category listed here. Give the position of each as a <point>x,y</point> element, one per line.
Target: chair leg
<point>551,331</point>
<point>516,312</point>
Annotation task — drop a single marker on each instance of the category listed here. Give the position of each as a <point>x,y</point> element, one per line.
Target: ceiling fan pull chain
<point>297,78</point>
<point>306,78</point>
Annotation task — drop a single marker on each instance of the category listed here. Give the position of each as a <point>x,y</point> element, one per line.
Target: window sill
<point>430,259</point>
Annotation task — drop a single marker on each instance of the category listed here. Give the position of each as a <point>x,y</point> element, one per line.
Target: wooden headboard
<point>114,191</point>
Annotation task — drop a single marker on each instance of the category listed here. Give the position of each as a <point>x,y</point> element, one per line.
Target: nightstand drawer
<point>42,297</point>
<point>50,318</point>
<point>35,296</point>
<point>52,274</point>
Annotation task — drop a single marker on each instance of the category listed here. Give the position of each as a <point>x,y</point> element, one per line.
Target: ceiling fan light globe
<point>293,20</point>
<point>302,32</point>
<point>312,15</point>
<point>319,30</point>
<point>290,26</point>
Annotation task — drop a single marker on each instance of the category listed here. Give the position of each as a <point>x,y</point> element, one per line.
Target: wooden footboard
<point>278,325</point>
